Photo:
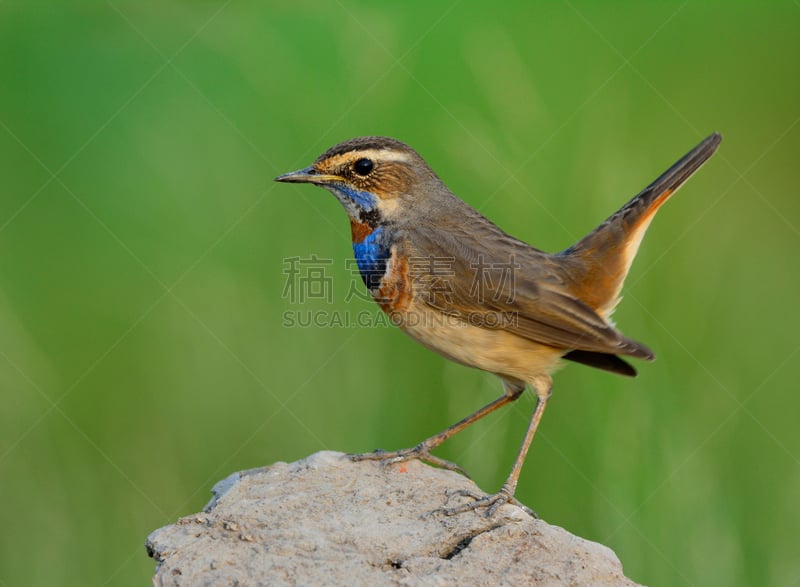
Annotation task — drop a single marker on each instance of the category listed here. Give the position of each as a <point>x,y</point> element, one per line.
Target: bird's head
<point>375,178</point>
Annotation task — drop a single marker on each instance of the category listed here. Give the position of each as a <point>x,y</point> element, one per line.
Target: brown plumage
<point>455,282</point>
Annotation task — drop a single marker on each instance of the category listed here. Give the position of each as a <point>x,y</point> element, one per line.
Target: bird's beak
<point>307,175</point>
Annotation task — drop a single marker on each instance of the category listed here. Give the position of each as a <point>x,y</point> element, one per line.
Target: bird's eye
<point>363,166</point>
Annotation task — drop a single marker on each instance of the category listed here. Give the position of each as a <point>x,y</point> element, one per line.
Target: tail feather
<point>603,361</point>
<point>599,263</point>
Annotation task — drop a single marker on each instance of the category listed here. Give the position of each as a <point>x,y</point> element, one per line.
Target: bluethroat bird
<point>459,285</point>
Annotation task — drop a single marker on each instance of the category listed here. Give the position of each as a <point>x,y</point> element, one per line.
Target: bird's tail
<point>598,264</point>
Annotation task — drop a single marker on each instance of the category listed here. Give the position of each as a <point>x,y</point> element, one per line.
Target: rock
<point>325,520</point>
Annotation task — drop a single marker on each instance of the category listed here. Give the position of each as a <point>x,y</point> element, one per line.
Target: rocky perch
<point>325,520</point>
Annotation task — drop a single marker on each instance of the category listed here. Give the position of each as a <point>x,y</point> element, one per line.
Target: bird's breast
<point>383,268</point>
<point>395,291</point>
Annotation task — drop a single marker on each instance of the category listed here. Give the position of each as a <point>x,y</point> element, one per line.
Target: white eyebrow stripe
<point>385,155</point>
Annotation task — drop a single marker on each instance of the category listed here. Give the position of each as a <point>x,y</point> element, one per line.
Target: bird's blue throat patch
<point>364,200</point>
<point>371,254</point>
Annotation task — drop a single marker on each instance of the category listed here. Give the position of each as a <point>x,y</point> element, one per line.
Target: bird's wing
<point>487,278</point>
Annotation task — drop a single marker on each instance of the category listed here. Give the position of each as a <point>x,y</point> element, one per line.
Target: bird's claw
<point>376,455</point>
<point>492,502</point>
<point>420,452</point>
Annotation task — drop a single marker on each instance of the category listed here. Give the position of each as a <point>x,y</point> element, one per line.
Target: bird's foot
<point>491,502</point>
<point>421,452</point>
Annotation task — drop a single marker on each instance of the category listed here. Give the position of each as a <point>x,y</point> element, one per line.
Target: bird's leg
<point>423,450</point>
<point>543,387</point>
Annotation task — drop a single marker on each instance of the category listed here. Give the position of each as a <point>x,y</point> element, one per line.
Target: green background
<point>143,354</point>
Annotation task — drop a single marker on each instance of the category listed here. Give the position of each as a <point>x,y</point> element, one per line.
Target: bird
<point>458,284</point>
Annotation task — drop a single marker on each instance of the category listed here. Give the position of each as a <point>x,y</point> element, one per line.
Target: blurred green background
<point>143,351</point>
